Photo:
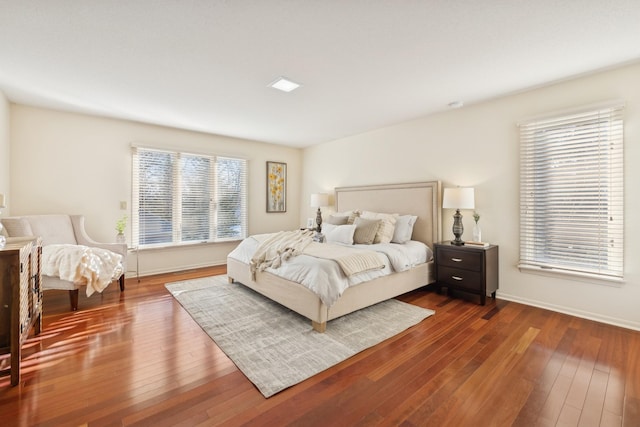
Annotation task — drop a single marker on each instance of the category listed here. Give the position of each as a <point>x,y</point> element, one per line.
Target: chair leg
<point>73,299</point>
<point>121,280</point>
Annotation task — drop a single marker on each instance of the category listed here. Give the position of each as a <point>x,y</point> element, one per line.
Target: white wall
<point>72,163</point>
<point>4,149</point>
<point>478,146</point>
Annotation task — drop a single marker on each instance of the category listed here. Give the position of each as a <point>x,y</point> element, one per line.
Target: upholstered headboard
<point>420,198</point>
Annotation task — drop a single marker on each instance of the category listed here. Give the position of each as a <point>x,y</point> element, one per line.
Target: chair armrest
<point>83,239</point>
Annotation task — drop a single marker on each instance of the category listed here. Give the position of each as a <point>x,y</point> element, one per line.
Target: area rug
<point>275,347</point>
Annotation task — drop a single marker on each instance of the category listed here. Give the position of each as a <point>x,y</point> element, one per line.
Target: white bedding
<point>324,277</point>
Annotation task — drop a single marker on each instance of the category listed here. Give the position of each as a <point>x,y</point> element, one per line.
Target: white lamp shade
<point>458,198</point>
<point>319,200</point>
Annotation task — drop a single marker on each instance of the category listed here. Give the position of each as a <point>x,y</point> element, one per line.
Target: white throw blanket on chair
<point>82,265</point>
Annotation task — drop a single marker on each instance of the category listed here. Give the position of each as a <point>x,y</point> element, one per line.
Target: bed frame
<point>421,199</point>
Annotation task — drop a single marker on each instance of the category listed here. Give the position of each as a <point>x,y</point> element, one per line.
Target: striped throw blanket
<point>351,261</point>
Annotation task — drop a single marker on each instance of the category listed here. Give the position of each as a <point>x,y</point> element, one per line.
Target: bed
<point>420,199</point>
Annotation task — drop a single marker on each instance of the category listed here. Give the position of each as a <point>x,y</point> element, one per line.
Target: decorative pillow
<point>17,227</point>
<point>352,216</point>
<point>366,230</point>
<point>404,228</point>
<point>337,219</point>
<point>339,233</point>
<point>387,225</point>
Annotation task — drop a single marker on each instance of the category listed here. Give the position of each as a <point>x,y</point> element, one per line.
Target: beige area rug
<point>275,347</point>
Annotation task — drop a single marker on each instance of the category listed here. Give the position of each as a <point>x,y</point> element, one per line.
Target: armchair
<point>61,229</point>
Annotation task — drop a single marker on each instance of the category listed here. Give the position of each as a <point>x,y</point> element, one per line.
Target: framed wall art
<point>276,187</point>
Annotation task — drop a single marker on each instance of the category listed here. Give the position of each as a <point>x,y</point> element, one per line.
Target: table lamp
<point>458,198</point>
<point>319,200</point>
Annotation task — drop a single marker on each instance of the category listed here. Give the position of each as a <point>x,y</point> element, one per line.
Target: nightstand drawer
<point>459,278</point>
<point>465,259</point>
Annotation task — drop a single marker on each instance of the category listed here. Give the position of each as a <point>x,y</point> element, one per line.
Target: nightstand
<point>467,268</point>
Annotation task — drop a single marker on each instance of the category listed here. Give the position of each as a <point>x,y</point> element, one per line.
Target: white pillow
<point>338,233</point>
<point>387,225</point>
<point>404,228</point>
<point>327,227</point>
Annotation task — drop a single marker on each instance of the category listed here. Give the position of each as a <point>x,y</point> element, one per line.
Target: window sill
<point>170,246</point>
<point>572,275</point>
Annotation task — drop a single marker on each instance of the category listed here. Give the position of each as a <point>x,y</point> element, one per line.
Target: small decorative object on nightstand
<point>477,232</point>
<point>469,268</point>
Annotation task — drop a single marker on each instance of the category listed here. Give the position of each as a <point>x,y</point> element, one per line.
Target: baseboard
<point>623,323</point>
<point>134,274</point>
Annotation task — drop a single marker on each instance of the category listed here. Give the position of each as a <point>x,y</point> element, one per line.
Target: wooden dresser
<point>20,297</point>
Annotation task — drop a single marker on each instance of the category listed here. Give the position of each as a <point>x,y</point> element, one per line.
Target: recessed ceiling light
<point>456,104</point>
<point>284,84</point>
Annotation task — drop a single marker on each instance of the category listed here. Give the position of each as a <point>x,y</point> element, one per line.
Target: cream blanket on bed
<point>351,261</point>
<point>280,246</point>
<point>82,265</point>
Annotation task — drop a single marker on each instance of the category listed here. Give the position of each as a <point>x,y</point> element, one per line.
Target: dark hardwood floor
<point>137,358</point>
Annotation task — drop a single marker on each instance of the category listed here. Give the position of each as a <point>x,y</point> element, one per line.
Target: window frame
<point>608,242</point>
<point>216,191</point>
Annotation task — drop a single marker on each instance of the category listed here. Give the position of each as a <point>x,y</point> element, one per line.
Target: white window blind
<point>180,198</point>
<point>572,193</point>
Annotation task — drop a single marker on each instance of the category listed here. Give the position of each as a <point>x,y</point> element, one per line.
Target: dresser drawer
<point>465,259</point>
<point>460,278</point>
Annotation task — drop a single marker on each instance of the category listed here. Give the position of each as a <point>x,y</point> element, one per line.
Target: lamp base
<point>457,229</point>
<point>319,221</point>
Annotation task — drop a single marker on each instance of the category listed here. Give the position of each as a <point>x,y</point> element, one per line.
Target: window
<point>571,193</point>
<point>181,198</point>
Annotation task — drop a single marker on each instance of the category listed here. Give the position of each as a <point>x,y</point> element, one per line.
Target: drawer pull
<point>456,259</point>
<point>456,278</point>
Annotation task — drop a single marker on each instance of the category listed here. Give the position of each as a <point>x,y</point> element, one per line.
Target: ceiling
<point>205,65</point>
